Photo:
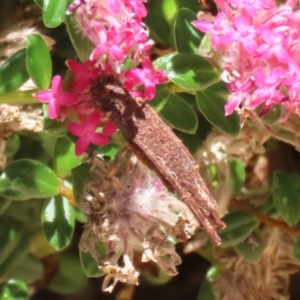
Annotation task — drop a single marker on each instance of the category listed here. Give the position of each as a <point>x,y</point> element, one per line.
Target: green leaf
<point>161,97</point>
<point>286,195</point>
<point>194,141</point>
<point>212,105</point>
<point>179,115</point>
<point>89,265</point>
<point>4,205</point>
<point>8,191</point>
<point>273,115</point>
<point>80,176</point>
<point>161,16</point>
<point>27,213</point>
<point>252,248</point>
<point>296,252</point>
<point>14,290</point>
<point>237,176</point>
<point>239,225</point>
<point>206,292</point>
<point>82,45</point>
<point>220,88</point>
<point>54,127</point>
<point>58,219</point>
<point>70,278</point>
<point>80,216</point>
<point>38,60</point>
<point>157,278</point>
<point>65,159</point>
<point>163,61</point>
<point>110,150</point>
<point>13,72</point>
<point>47,141</point>
<point>10,235</point>
<point>12,145</point>
<point>191,71</point>
<point>54,12</point>
<point>187,37</point>
<point>32,178</point>
<point>14,247</point>
<point>206,48</point>
<point>29,270</point>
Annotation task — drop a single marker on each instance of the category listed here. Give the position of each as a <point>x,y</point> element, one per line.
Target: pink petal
<point>81,145</point>
<point>93,121</point>
<point>99,139</point>
<point>53,110</point>
<point>56,84</point>
<point>44,96</point>
<point>109,128</point>
<point>149,89</point>
<point>74,66</point>
<point>76,129</point>
<point>114,5</point>
<point>67,99</point>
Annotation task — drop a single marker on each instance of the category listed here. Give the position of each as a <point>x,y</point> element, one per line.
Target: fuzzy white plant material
<point>129,209</point>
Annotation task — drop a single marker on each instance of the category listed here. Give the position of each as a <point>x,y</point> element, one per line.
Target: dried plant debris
<point>17,118</point>
<point>130,209</point>
<point>267,279</point>
<point>159,148</point>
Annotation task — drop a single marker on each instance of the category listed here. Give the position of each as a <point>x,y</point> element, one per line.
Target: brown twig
<point>281,225</point>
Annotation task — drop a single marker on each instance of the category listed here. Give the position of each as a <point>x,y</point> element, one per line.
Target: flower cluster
<point>129,209</point>
<point>120,42</point>
<point>259,42</point>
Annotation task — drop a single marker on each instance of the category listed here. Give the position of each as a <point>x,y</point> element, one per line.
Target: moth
<point>158,147</point>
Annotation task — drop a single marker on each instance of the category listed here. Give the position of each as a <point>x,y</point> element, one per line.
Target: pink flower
<point>267,91</point>
<point>110,45</point>
<point>86,131</point>
<point>55,97</point>
<point>257,40</point>
<point>147,76</point>
<point>84,72</point>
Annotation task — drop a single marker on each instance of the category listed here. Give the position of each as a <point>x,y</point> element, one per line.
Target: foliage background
<point>64,277</point>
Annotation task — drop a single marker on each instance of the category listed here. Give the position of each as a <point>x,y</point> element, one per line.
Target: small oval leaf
<point>14,290</point>
<point>161,62</point>
<point>187,37</point>
<point>65,158</point>
<point>286,195</point>
<point>32,178</point>
<point>12,145</point>
<point>252,248</point>
<point>80,176</point>
<point>110,150</point>
<point>206,291</point>
<point>212,105</point>
<point>70,278</point>
<point>238,176</point>
<point>191,71</point>
<point>38,60</point>
<point>8,191</point>
<point>239,225</point>
<point>161,97</point>
<point>178,114</point>
<point>82,45</point>
<point>58,219</point>
<point>14,248</point>
<point>13,73</point>
<point>54,12</point>
<point>29,270</point>
<point>89,265</point>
